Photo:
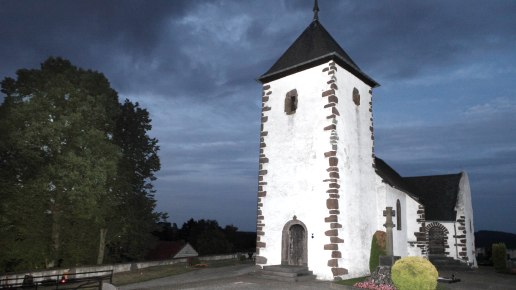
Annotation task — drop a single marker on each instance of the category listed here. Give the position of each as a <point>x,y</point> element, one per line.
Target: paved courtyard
<point>244,277</point>
<point>232,277</point>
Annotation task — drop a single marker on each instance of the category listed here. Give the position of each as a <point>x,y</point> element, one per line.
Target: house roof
<point>166,250</point>
<point>313,47</point>
<point>438,193</point>
<point>390,176</point>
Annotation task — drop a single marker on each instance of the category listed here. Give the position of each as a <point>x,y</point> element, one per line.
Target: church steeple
<point>316,11</point>
<point>313,47</point>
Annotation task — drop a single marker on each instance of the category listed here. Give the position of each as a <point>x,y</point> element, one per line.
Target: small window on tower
<point>291,102</point>
<point>356,97</point>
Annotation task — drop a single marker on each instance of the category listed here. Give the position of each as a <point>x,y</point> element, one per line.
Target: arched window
<point>291,102</point>
<point>398,215</point>
<point>356,97</point>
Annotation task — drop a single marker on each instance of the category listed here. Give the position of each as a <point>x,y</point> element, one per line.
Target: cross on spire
<point>316,11</point>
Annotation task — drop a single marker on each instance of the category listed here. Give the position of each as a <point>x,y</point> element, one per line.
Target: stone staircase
<point>287,273</point>
<point>443,263</point>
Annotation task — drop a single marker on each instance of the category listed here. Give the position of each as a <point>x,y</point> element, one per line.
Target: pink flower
<point>373,286</point>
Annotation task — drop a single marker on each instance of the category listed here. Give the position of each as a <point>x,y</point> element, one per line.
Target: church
<point>322,191</point>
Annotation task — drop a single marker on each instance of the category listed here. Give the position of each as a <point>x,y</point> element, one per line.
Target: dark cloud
<point>445,104</point>
<point>418,35</point>
<point>479,142</point>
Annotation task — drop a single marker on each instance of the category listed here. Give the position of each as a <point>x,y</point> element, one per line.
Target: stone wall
<point>116,268</point>
<point>332,180</point>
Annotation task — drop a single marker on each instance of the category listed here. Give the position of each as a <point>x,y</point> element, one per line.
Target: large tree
<point>136,171</point>
<point>67,180</point>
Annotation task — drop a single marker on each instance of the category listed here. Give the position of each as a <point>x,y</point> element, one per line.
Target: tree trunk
<point>56,243</point>
<point>102,245</point>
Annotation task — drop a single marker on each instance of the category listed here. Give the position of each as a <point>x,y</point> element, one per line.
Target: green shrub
<point>499,257</point>
<point>377,250</point>
<point>412,273</point>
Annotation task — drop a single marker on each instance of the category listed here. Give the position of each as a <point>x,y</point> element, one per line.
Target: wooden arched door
<point>436,236</point>
<point>296,245</point>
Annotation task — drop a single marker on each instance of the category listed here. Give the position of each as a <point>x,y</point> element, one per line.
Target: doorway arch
<point>437,239</point>
<point>294,241</point>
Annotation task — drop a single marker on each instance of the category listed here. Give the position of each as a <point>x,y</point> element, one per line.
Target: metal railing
<point>83,280</point>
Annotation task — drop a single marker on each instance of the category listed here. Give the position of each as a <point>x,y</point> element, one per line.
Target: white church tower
<point>317,203</point>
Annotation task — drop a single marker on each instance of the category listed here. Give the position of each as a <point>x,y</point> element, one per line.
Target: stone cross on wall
<point>388,213</point>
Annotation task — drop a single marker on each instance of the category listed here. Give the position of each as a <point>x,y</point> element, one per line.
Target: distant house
<point>172,250</point>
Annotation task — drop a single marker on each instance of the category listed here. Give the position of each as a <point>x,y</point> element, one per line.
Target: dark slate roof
<point>438,193</point>
<point>390,176</point>
<point>313,47</point>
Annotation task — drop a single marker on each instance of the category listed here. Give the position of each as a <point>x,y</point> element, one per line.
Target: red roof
<point>166,250</point>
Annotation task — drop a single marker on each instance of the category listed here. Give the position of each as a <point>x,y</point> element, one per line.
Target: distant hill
<point>484,239</point>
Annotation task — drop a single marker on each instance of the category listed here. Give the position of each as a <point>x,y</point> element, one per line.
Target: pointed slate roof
<point>313,47</point>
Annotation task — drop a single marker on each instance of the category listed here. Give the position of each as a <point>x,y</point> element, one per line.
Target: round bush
<point>414,273</point>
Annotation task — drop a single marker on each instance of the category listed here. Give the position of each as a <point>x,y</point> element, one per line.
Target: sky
<point>447,100</point>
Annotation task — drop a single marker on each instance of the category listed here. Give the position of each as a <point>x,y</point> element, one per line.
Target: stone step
<point>286,269</point>
<point>443,263</point>
<point>445,268</point>
<point>287,273</point>
<point>289,279</point>
<point>454,262</point>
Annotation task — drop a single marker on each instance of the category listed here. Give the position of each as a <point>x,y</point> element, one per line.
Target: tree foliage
<point>207,237</point>
<point>76,168</point>
<point>377,250</point>
<point>499,256</point>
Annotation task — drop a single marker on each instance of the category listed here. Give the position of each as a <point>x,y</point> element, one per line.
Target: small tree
<point>499,257</point>
<point>377,250</point>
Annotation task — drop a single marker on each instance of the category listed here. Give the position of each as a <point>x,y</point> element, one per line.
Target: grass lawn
<point>156,272</point>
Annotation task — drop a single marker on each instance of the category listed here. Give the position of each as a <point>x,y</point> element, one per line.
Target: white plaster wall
<point>295,147</point>
<point>413,226</point>
<point>464,207</point>
<point>399,236</point>
<point>387,196</point>
<point>357,176</point>
<point>511,253</point>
